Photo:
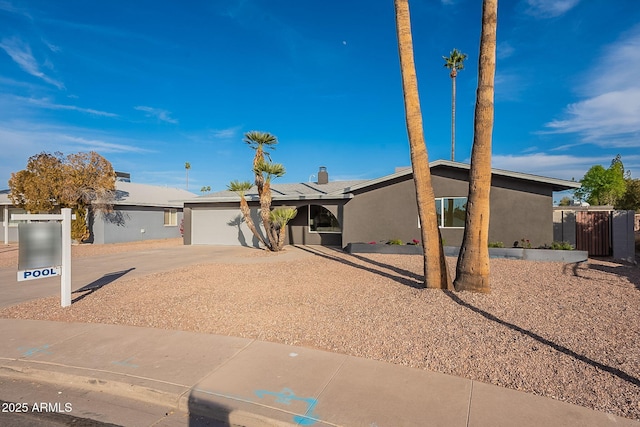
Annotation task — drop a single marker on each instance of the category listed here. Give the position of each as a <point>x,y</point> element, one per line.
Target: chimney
<point>323,175</point>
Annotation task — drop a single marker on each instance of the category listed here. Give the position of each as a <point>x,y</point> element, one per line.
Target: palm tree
<point>454,62</point>
<point>435,267</point>
<point>472,270</point>
<point>260,141</point>
<point>241,188</point>
<point>266,171</point>
<point>187,166</point>
<point>280,218</point>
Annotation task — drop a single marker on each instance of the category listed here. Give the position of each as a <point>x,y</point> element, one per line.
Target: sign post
<point>65,278</point>
<point>35,263</point>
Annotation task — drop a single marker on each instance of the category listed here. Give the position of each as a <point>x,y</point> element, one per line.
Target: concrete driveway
<point>102,269</point>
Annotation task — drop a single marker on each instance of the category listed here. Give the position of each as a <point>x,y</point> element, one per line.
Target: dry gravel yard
<point>570,332</point>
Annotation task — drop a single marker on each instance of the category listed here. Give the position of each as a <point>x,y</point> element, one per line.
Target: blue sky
<point>151,85</point>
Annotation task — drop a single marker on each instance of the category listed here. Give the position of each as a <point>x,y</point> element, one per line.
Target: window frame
<point>173,217</point>
<point>323,231</point>
<point>441,220</point>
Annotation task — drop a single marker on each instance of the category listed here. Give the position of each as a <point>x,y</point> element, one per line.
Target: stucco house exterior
<point>140,212</point>
<point>336,213</point>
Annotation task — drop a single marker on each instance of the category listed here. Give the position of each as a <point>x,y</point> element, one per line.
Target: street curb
<point>182,402</point>
<point>113,386</point>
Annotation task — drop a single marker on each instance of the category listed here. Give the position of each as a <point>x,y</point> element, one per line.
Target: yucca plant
<point>279,219</point>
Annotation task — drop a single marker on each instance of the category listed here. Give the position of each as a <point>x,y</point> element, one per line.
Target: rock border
<point>549,255</point>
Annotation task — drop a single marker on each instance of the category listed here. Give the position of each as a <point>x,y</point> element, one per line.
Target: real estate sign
<point>45,249</point>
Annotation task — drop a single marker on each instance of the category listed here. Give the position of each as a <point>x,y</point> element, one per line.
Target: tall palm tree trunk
<point>453,114</point>
<point>246,213</point>
<point>265,211</point>
<point>472,270</point>
<point>435,267</point>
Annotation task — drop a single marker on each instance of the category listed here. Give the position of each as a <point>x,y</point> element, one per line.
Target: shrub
<point>496,245</point>
<point>394,242</point>
<point>525,243</point>
<point>562,246</point>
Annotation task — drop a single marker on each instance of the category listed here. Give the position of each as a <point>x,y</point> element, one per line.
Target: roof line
<point>518,175</point>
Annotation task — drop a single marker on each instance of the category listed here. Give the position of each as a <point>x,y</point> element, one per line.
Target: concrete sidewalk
<point>251,383</point>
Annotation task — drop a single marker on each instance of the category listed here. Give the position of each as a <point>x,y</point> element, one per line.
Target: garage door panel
<point>223,226</point>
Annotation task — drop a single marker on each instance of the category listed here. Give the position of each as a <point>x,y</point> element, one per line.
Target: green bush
<point>394,242</point>
<point>496,245</point>
<point>562,246</point>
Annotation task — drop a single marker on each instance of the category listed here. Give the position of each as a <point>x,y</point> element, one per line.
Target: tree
<point>565,201</point>
<point>454,62</point>
<point>205,189</point>
<point>241,188</point>
<point>601,186</point>
<point>472,270</point>
<point>435,266</point>
<point>264,171</point>
<point>51,182</point>
<point>630,200</point>
<point>187,166</point>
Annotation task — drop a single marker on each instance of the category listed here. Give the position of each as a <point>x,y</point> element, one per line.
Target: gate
<point>593,232</point>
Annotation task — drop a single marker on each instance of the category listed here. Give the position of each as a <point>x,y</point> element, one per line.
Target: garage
<point>221,226</point>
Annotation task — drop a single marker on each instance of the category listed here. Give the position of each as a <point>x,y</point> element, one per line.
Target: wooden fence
<point>593,232</point>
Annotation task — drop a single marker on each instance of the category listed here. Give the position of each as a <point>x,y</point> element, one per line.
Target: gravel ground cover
<point>565,331</point>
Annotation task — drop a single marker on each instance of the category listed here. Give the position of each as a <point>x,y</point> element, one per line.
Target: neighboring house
<point>140,212</point>
<point>340,212</point>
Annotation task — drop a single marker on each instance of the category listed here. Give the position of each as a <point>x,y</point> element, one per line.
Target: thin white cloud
<point>158,113</point>
<point>610,115</point>
<point>564,166</point>
<point>102,146</point>
<point>21,54</point>
<point>7,6</point>
<point>52,47</point>
<point>504,50</point>
<point>44,103</point>
<point>21,139</point>
<point>550,8</point>
<point>228,133</point>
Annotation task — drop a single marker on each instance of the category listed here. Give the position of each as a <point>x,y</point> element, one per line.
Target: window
<point>171,217</point>
<point>14,223</point>
<point>323,221</point>
<point>451,211</point>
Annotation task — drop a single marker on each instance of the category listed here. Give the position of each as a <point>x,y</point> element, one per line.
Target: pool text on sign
<point>38,273</point>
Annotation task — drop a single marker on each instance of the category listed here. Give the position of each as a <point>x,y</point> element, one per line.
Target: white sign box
<point>38,273</point>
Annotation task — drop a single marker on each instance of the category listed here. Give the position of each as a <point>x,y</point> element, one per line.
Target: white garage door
<point>222,226</point>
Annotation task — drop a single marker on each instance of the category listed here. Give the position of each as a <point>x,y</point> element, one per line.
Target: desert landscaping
<point>566,331</point>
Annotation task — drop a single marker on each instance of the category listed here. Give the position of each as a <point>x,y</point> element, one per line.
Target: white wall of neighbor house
<point>222,226</point>
<point>9,227</point>
<point>5,223</point>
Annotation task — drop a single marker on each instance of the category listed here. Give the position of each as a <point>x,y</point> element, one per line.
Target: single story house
<point>336,213</point>
<point>140,212</point>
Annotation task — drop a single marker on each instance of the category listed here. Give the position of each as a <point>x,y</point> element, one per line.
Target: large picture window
<point>322,221</point>
<point>451,211</point>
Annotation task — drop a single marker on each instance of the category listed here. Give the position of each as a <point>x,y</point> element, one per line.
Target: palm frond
<point>281,216</point>
<point>239,187</point>
<point>257,139</point>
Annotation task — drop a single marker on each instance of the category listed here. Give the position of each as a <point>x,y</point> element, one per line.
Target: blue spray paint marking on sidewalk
<point>286,396</point>
<point>28,352</point>
<point>125,362</point>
